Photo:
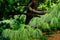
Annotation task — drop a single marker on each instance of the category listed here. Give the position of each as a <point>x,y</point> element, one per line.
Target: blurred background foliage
<point>12,24</point>
<point>8,7</point>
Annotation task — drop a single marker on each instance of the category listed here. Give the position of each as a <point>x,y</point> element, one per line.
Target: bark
<point>32,11</point>
<point>33,4</point>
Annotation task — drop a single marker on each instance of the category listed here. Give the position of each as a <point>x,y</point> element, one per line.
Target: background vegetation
<point>12,20</point>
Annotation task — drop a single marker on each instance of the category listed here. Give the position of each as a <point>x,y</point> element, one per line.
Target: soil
<point>55,36</point>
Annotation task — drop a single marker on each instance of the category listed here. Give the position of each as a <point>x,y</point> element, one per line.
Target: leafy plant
<point>45,27</point>
<point>22,34</point>
<point>37,34</point>
<point>35,22</point>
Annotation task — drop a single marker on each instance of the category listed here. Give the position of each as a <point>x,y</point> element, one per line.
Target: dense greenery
<point>20,6</point>
<point>16,29</point>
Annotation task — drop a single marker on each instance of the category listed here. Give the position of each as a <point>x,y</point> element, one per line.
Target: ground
<point>55,36</point>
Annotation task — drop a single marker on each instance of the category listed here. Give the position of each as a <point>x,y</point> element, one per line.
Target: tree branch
<point>39,12</point>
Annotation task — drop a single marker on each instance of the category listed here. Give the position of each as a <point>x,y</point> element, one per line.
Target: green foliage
<point>35,22</point>
<point>45,26</point>
<point>47,4</point>
<point>22,34</point>
<point>24,2</point>
<point>15,29</point>
<point>13,35</point>
<point>46,18</point>
<point>20,6</point>
<point>4,25</point>
<point>13,23</point>
<point>58,16</point>
<point>37,33</point>
<point>6,33</point>
<point>11,1</point>
<point>48,21</point>
<point>54,22</point>
<point>16,16</point>
<point>22,19</point>
<point>43,37</point>
<point>58,27</point>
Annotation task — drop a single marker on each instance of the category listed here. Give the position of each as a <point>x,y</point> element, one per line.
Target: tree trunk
<point>30,14</point>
